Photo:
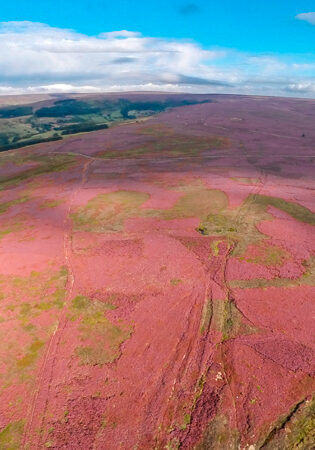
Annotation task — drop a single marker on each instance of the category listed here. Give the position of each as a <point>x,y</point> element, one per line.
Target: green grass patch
<point>302,430</point>
<point>306,279</point>
<point>295,210</point>
<point>206,316</point>
<point>265,254</point>
<point>239,225</point>
<point>11,435</point>
<point>31,355</point>
<point>186,422</point>
<point>176,281</point>
<point>215,247</point>
<point>107,212</point>
<point>101,339</point>
<point>198,203</point>
<point>228,320</point>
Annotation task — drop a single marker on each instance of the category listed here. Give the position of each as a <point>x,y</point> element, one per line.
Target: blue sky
<point>244,46</point>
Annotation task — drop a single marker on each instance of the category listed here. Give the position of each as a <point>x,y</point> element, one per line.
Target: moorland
<point>157,272</point>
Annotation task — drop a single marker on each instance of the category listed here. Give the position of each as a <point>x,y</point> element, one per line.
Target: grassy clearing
<point>293,209</point>
<point>107,212</point>
<point>239,226</point>
<point>239,230</point>
<point>265,254</point>
<point>198,203</point>
<point>101,339</point>
<point>306,279</point>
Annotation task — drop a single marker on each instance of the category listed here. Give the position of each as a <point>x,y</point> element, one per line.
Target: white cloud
<point>302,87</point>
<point>308,17</point>
<point>35,57</point>
<point>120,34</point>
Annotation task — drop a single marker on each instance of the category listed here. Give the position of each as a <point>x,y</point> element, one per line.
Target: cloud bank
<point>308,17</point>
<point>35,57</point>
